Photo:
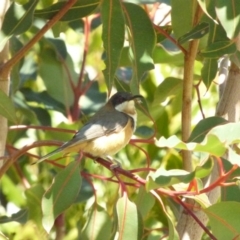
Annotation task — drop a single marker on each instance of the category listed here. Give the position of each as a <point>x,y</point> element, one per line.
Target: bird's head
<point>124,102</point>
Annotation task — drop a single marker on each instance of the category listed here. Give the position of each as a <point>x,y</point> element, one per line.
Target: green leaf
<point>142,42</point>
<point>85,192</point>
<point>227,133</point>
<point>61,194</point>
<point>204,170</point>
<point>144,131</point>
<point>42,115</point>
<point>204,126</point>
<point>98,225</point>
<point>7,109</point>
<point>209,71</point>
<point>160,55</point>
<point>228,13</point>
<point>130,225</point>
<point>113,37</point>
<point>169,88</point>
<point>163,177</point>
<point>211,145</point>
<point>173,234</point>
<point>197,32</point>
<point>81,9</point>
<point>52,69</point>
<point>224,220</point>
<point>21,216</point>
<point>218,49</point>
<point>205,5</point>
<point>216,32</point>
<point>182,16</point>
<point>17,20</point>
<point>44,98</point>
<point>144,201</point>
<point>34,197</point>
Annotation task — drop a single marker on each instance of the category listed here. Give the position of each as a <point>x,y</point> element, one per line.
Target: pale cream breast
<point>110,144</point>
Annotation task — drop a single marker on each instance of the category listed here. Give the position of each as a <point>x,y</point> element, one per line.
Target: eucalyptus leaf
<point>209,71</point>
<point>113,37</point>
<point>197,32</point>
<point>17,20</point>
<point>61,194</point>
<point>218,49</point>
<point>142,42</point>
<point>228,13</point>
<point>6,107</point>
<point>80,9</point>
<point>130,225</point>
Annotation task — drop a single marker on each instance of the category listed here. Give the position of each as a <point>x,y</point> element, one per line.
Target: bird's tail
<point>48,155</point>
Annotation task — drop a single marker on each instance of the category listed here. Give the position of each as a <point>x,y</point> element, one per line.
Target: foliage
<point>60,77</point>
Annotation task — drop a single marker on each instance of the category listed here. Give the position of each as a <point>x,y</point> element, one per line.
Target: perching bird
<point>107,132</point>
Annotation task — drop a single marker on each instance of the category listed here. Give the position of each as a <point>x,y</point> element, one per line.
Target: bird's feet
<point>114,163</point>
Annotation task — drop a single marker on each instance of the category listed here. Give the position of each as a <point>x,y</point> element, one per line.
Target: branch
<point>4,69</point>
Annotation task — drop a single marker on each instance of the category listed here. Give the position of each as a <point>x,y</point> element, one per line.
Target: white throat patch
<point>128,108</point>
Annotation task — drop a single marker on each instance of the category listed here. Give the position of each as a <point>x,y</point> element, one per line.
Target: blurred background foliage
<point>60,83</point>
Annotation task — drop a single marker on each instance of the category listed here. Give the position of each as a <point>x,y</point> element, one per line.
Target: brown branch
<point>206,230</point>
<point>187,94</point>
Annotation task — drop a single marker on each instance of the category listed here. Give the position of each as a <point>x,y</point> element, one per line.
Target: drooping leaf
<point>61,194</point>
<point>85,192</point>
<point>42,115</point>
<point>6,107</point>
<point>80,9</point>
<point>15,45</point>
<point>21,216</point>
<point>17,20</point>
<point>197,32</point>
<point>203,127</point>
<point>228,13</point>
<point>209,71</point>
<point>173,235</point>
<point>182,16</point>
<point>204,4</point>
<point>98,225</point>
<point>54,74</point>
<point>224,220</point>
<point>142,42</point>
<point>113,37</point>
<point>42,98</point>
<point>144,202</point>
<point>34,196</point>
<point>130,225</point>
<point>218,49</point>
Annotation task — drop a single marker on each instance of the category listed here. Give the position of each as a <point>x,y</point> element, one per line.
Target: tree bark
<point>4,82</point>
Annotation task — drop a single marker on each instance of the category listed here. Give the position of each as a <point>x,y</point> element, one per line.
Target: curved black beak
<point>136,96</point>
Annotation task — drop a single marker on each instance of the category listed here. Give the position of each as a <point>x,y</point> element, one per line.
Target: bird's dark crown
<point>121,97</point>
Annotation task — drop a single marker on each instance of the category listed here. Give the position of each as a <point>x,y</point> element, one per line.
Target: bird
<point>107,132</point>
